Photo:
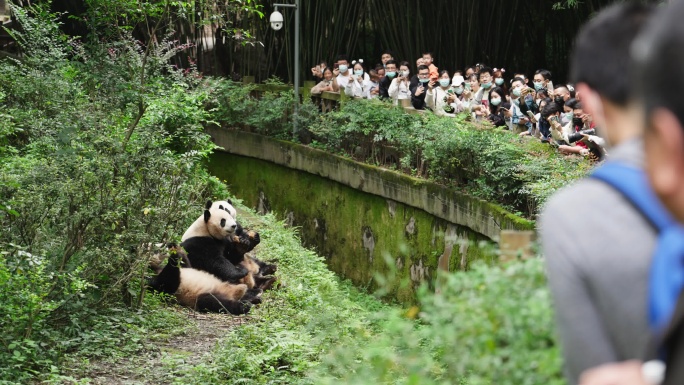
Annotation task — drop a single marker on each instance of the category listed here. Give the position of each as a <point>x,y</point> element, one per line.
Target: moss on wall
<point>357,232</point>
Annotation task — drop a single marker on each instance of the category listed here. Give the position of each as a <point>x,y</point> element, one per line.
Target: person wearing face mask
<point>463,94</point>
<point>419,88</point>
<point>390,73</point>
<point>499,81</point>
<point>359,86</point>
<point>486,84</point>
<point>597,245</point>
<point>399,87</point>
<point>342,74</point>
<point>519,121</point>
<point>499,110</point>
<point>440,98</point>
<point>568,115</point>
<point>541,79</point>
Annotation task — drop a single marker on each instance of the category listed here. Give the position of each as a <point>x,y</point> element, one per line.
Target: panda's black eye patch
<point>221,207</point>
<point>223,222</point>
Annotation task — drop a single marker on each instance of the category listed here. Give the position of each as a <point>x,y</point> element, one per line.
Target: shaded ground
<point>158,364</point>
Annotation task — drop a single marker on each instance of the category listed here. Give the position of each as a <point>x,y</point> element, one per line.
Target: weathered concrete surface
<point>365,221</point>
<point>480,216</point>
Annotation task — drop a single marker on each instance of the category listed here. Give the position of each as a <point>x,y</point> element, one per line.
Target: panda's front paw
<point>254,237</point>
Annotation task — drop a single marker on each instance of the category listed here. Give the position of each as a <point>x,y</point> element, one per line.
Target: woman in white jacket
<point>399,88</point>
<point>359,86</point>
<point>441,98</point>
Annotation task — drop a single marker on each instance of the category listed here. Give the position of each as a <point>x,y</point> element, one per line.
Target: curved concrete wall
<point>480,216</point>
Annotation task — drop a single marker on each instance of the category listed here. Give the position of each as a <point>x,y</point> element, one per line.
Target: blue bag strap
<point>631,182</point>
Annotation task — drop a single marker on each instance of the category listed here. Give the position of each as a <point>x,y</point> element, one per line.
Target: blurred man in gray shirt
<point>597,246</point>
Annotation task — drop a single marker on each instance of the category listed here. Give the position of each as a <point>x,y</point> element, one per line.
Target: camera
<point>276,21</point>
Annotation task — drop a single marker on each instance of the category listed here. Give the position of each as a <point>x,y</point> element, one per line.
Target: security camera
<point>276,21</point>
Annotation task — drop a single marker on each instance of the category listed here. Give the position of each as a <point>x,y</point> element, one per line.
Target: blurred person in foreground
<point>597,246</point>
<point>658,57</point>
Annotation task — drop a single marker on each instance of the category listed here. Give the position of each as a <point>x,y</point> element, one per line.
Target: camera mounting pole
<point>296,62</point>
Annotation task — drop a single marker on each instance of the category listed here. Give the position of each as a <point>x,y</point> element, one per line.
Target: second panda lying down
<point>198,289</point>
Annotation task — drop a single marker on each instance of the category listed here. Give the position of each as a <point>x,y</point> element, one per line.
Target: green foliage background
<point>101,154</point>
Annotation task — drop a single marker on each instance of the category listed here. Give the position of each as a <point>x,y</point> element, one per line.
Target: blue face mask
<point>538,86</point>
<point>516,92</point>
<point>495,102</point>
<point>424,80</point>
<point>391,74</point>
<point>358,72</point>
<point>499,81</point>
<point>343,68</point>
<point>487,85</point>
<point>444,82</point>
<point>458,90</point>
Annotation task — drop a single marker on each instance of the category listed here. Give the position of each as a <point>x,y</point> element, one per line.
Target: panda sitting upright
<point>241,242</point>
<point>206,240</point>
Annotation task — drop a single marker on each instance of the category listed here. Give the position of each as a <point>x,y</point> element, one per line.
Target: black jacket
<point>418,102</point>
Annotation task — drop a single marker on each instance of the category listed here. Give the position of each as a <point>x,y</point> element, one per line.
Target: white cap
<point>457,80</point>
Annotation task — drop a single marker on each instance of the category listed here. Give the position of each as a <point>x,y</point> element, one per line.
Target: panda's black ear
<point>208,205</point>
<point>207,215</point>
<point>229,201</point>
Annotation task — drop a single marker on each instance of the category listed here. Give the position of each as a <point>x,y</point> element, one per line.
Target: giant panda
<point>239,243</point>
<point>197,289</point>
<point>205,242</point>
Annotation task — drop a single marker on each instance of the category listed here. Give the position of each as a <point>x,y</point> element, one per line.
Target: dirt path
<point>158,364</point>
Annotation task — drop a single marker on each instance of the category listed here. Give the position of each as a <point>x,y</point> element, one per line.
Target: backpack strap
<point>666,277</point>
<point>631,182</point>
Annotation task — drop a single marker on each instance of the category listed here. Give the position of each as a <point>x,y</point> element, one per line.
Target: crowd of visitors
<point>554,114</point>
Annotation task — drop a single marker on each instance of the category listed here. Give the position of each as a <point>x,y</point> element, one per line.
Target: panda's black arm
<point>168,280</point>
<point>207,255</point>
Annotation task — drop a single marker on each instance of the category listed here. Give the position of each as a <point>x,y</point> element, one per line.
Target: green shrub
<point>89,177</point>
<point>491,325</point>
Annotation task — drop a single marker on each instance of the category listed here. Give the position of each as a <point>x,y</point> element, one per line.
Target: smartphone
<point>550,86</point>
<point>553,119</point>
<point>450,91</point>
<point>467,86</point>
<point>336,66</point>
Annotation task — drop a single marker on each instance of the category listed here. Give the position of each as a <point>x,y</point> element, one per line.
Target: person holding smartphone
<point>359,86</point>
<point>399,87</point>
<point>419,88</point>
<point>499,108</point>
<point>439,99</point>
